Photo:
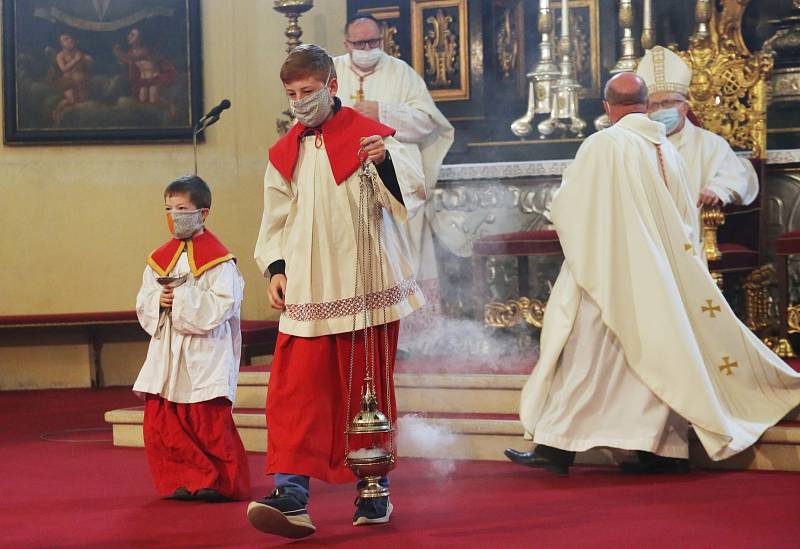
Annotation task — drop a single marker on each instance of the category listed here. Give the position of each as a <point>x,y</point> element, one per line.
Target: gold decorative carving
<point>760,309</point>
<point>711,218</point>
<point>441,49</point>
<point>780,346</point>
<point>390,46</point>
<point>728,92</point>
<point>793,319</point>
<point>507,44</point>
<point>514,311</point>
<point>385,16</point>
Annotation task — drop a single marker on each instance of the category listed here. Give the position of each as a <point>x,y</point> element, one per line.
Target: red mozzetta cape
<point>205,251</point>
<point>342,135</point>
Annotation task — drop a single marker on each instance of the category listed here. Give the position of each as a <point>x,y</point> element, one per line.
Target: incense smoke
<point>417,436</point>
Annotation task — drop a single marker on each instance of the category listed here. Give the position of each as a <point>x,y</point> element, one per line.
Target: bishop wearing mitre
<point>716,174</point>
<point>638,340</point>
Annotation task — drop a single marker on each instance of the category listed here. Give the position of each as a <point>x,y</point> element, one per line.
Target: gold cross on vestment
<point>728,366</point>
<point>710,308</point>
<point>358,97</point>
<point>689,248</point>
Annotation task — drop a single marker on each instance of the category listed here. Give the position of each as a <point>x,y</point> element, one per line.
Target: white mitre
<point>663,71</point>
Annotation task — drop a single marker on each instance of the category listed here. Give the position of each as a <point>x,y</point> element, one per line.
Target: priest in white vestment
<point>388,90</point>
<point>716,175</point>
<point>637,338</point>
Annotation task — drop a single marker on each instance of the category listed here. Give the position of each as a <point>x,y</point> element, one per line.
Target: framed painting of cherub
<point>101,71</point>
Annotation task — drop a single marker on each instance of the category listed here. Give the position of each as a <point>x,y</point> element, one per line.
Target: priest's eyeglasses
<point>364,44</point>
<point>665,104</point>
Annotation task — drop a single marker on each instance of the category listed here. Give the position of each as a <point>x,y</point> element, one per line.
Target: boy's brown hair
<point>307,60</point>
<point>196,188</point>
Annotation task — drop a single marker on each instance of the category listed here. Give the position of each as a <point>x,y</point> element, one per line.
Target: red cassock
<point>195,446</point>
<point>307,401</point>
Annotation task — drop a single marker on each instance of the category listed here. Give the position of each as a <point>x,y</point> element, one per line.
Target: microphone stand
<point>201,125</point>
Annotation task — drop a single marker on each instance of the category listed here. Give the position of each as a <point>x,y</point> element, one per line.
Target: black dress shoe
<point>532,459</point>
<point>651,464</point>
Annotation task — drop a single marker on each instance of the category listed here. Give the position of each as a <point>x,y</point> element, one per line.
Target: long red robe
<point>307,401</point>
<point>195,446</point>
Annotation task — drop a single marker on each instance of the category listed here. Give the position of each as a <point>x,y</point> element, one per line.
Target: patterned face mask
<point>184,223</point>
<point>313,109</point>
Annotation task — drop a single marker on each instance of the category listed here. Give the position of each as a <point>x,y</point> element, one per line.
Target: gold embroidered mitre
<point>663,71</point>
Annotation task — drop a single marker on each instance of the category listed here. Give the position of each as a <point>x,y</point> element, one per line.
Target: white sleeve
<point>411,124</point>
<point>735,182</point>
<point>277,203</point>
<point>410,180</point>
<point>197,310</point>
<point>148,308</point>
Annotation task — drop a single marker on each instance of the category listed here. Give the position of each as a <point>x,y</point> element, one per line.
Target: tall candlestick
<point>543,75</point>
<point>648,37</point>
<point>565,18</point>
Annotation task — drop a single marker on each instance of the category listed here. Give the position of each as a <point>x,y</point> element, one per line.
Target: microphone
<point>212,115</point>
<point>209,118</point>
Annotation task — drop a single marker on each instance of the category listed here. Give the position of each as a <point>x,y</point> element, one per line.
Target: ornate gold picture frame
<point>439,47</point>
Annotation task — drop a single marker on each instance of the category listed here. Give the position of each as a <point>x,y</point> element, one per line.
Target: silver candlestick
<point>628,60</point>
<point>564,97</point>
<point>542,76</point>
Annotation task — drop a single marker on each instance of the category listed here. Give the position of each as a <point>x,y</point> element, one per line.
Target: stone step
<point>484,437</point>
<point>436,393</point>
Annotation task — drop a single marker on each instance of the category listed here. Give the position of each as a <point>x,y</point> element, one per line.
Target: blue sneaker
<point>372,511</point>
<point>281,514</point>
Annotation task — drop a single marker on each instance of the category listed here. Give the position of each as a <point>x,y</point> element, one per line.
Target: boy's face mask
<point>313,109</point>
<point>184,223</point>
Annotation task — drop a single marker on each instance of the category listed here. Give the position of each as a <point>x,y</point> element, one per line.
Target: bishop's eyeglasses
<point>364,44</point>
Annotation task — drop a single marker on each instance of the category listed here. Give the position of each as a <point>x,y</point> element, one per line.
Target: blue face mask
<point>671,118</point>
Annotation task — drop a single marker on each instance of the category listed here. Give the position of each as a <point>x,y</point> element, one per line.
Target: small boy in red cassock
<point>189,303</point>
<point>308,248</point>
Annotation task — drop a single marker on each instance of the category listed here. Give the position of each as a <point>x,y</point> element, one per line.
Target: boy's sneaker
<point>182,494</point>
<point>280,514</point>
<point>372,511</point>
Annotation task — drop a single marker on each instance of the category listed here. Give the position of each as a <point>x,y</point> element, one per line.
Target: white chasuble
<point>406,105</point>
<point>311,222</point>
<point>630,247</point>
<point>196,357</point>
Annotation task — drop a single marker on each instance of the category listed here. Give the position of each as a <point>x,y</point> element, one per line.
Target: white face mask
<point>184,223</point>
<point>671,118</point>
<point>313,109</point>
<point>366,59</point>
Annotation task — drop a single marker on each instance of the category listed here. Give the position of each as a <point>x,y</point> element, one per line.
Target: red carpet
<point>90,494</point>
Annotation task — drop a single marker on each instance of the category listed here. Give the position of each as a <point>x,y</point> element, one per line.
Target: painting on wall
<point>92,71</point>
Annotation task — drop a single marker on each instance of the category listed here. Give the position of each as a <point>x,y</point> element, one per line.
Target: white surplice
<point>311,223</point>
<point>712,165</point>
<point>197,355</point>
<point>405,104</point>
<point>651,317</point>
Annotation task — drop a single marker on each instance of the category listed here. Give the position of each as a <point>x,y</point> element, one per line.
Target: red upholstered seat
<point>788,243</point>
<point>735,257</point>
<point>521,243</point>
<point>259,331</point>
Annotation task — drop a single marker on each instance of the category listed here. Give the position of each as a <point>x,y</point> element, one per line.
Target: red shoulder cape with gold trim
<point>205,251</point>
<point>342,135</point>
